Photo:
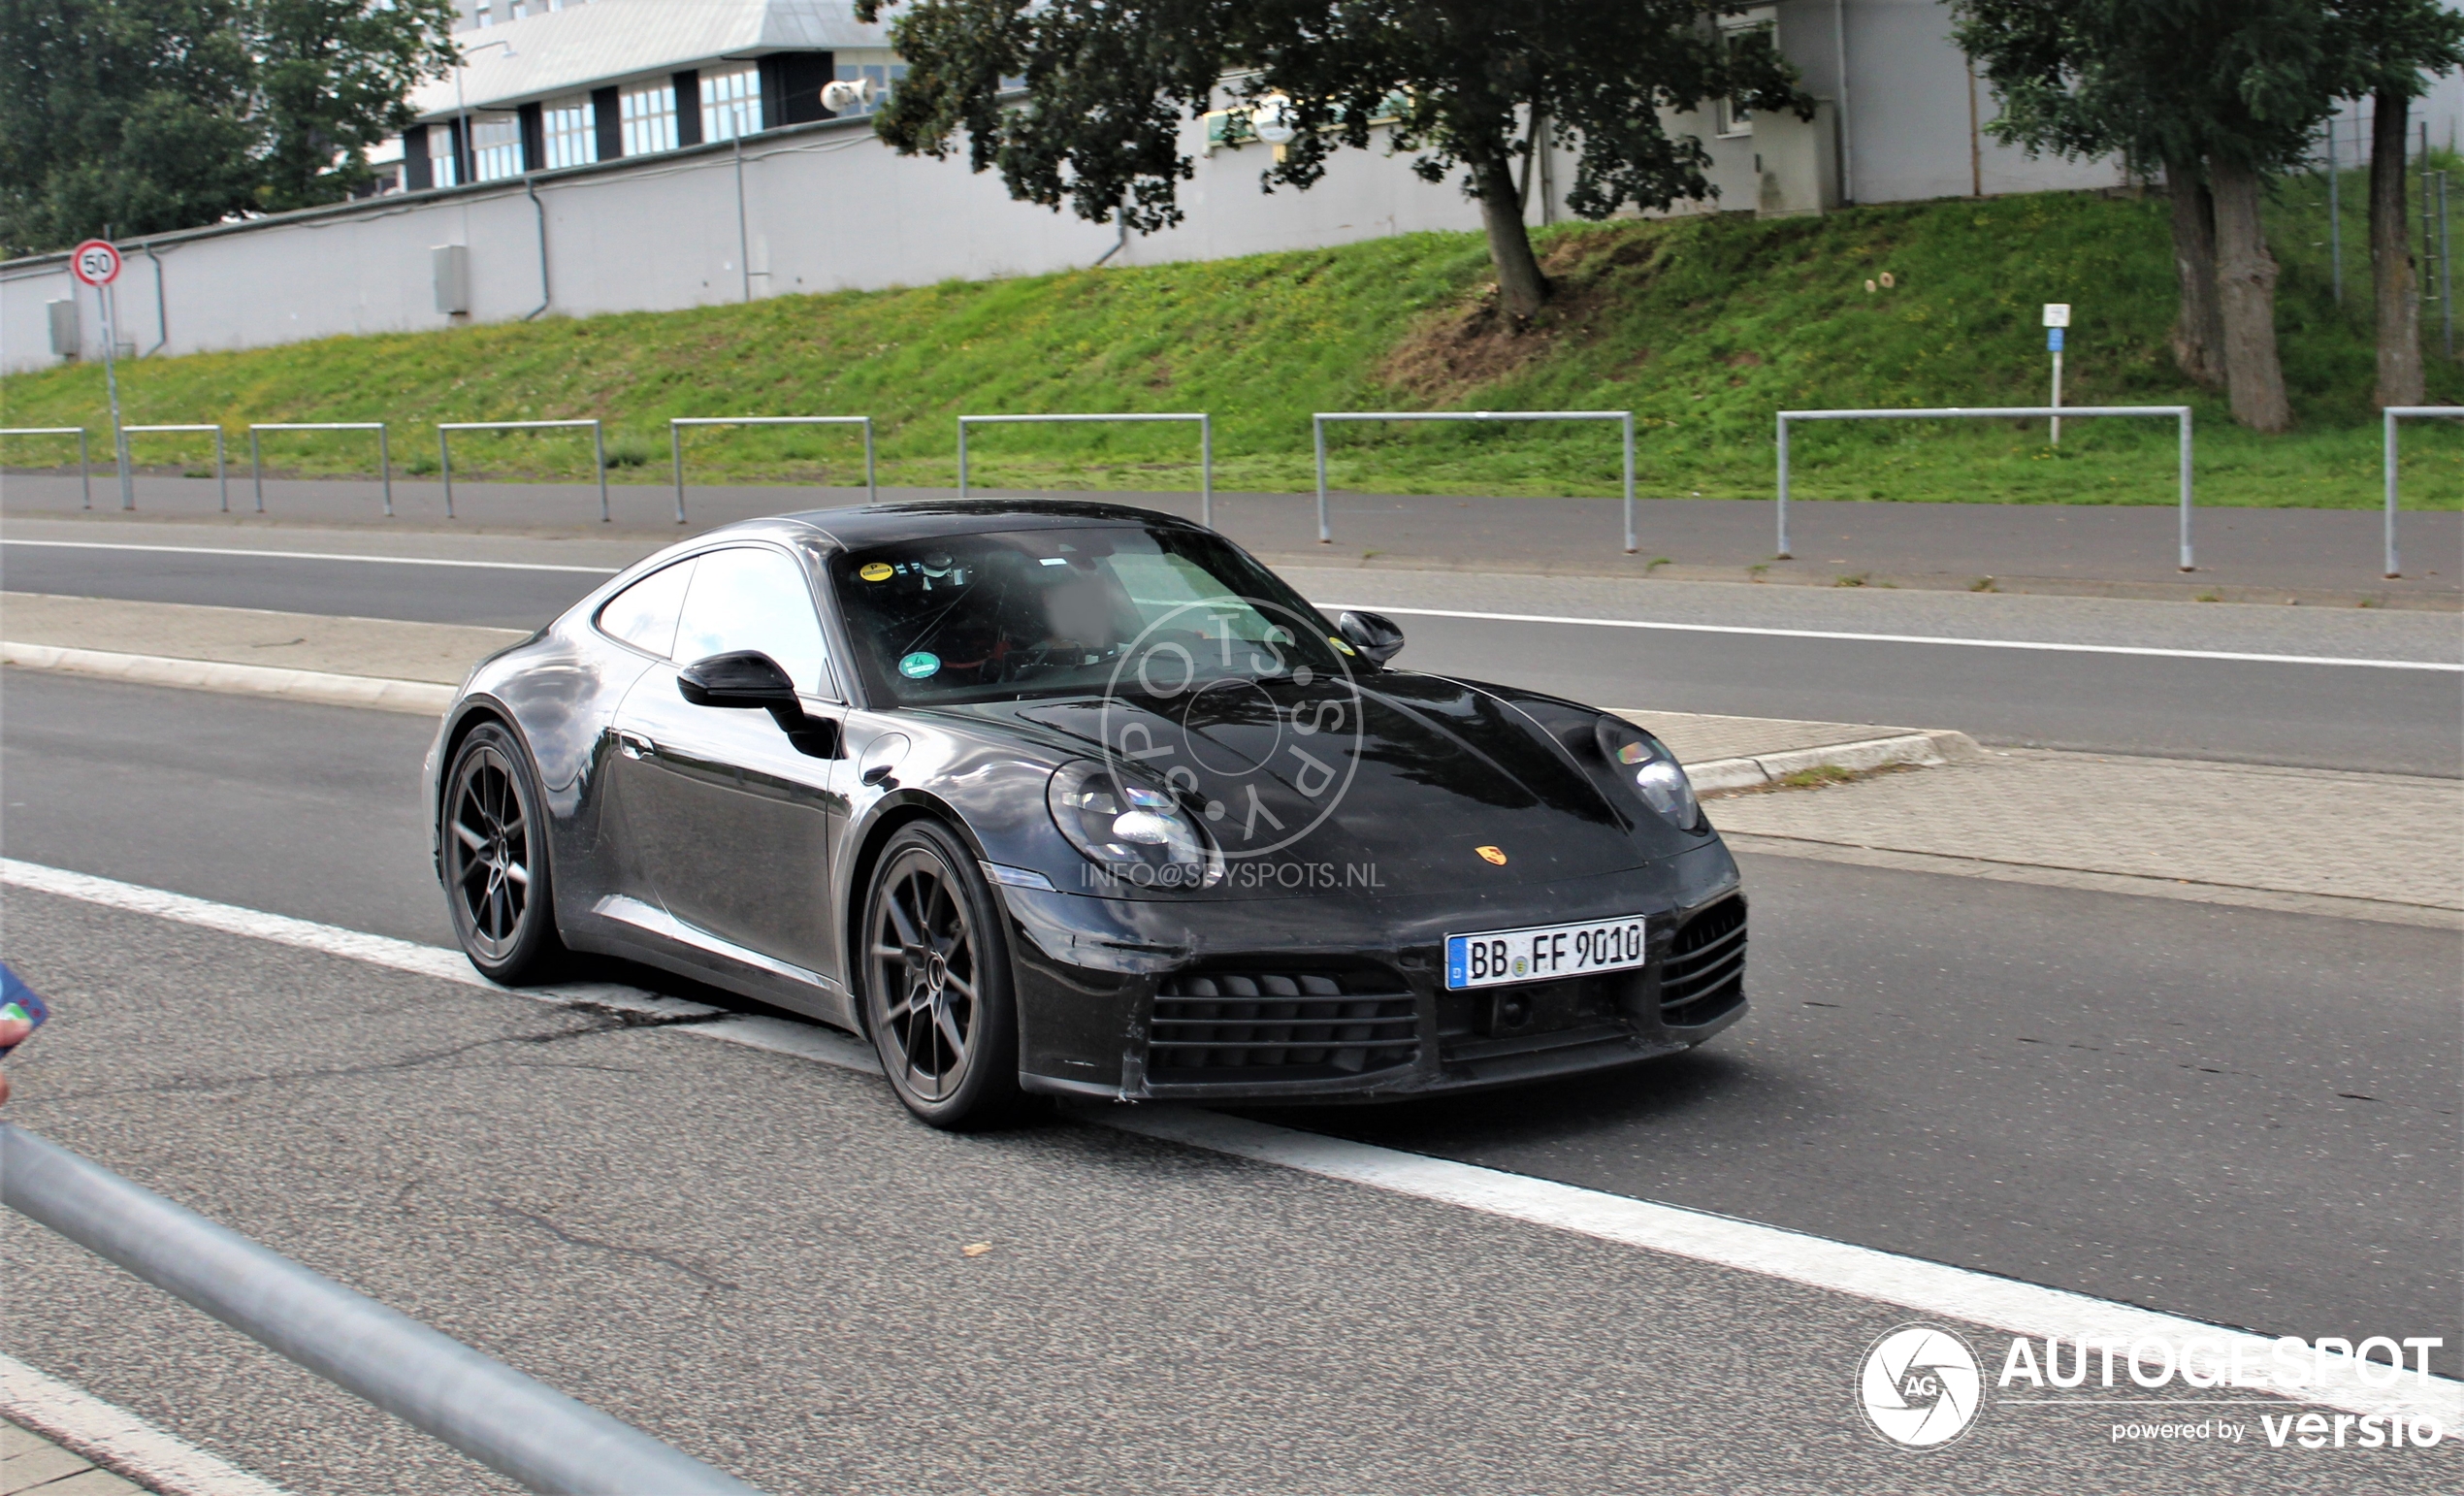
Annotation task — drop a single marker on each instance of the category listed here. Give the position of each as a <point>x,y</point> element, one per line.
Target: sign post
<point>97,264</point>
<point>2057,318</point>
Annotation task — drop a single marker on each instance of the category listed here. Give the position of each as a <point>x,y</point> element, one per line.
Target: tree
<point>2218,92</point>
<point>1475,84</point>
<point>335,77</point>
<point>2391,48</point>
<point>133,114</point>
<point>140,117</point>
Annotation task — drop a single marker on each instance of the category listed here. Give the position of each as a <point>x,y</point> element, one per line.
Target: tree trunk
<point>2245,295</point>
<point>1521,288</point>
<point>2198,333</point>
<point>2398,293</point>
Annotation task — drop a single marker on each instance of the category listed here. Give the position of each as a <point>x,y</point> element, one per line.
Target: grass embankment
<point>1702,327</point>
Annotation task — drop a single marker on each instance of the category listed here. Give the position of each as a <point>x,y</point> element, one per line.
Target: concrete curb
<point>420,698</point>
<point>1719,776</point>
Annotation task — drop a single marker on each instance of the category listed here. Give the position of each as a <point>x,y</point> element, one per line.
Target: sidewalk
<point>2318,556</point>
<point>2381,847</point>
<point>31,1465</point>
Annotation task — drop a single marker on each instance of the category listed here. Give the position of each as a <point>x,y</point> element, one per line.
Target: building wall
<point>826,207</point>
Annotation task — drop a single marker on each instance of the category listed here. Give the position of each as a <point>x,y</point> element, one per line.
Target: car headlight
<point>1641,762</point>
<point>1135,832</point>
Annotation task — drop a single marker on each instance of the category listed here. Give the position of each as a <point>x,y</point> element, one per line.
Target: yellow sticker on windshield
<point>1338,643</point>
<point>875,571</point>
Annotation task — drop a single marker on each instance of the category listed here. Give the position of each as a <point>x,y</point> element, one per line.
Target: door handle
<point>634,746</point>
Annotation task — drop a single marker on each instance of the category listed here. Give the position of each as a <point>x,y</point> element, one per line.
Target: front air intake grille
<point>1243,1027</point>
<point>1704,974</point>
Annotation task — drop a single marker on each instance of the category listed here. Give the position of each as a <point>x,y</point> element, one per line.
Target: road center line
<point>381,561</point>
<point>1902,639</point>
<point>1744,1245</point>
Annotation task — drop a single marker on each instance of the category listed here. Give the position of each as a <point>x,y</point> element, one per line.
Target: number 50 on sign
<point>95,262</point>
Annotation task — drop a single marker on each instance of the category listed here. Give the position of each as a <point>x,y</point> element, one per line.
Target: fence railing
<point>2394,564</point>
<point>598,451</point>
<point>221,474</point>
<point>1206,445</point>
<point>1318,437</point>
<point>384,452</point>
<point>676,443</point>
<point>511,1423</point>
<point>1990,413</point>
<point>85,468</point>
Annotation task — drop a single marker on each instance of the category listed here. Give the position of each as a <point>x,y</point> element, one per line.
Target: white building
<point>622,155</point>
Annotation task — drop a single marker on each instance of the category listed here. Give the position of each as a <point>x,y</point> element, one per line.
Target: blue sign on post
<point>2053,338</point>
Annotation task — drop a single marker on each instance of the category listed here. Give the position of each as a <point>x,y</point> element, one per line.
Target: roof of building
<point>558,52</point>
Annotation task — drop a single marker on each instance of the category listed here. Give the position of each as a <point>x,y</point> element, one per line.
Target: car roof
<point>881,524</point>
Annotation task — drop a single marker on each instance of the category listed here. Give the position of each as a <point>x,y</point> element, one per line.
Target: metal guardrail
<point>221,474</point>
<point>511,1423</point>
<point>1206,445</point>
<point>598,451</point>
<point>85,469</point>
<point>1318,434</point>
<point>1989,412</point>
<point>2395,567</point>
<point>676,443</point>
<point>384,451</point>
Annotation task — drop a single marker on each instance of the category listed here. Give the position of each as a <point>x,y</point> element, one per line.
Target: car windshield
<point>1063,612</point>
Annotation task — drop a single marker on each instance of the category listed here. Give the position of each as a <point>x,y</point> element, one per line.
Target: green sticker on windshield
<point>920,663</point>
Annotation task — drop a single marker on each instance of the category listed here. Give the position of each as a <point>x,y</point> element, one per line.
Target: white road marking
<point>118,1440</point>
<point>1744,1245</point>
<point>1900,638</point>
<point>382,561</point>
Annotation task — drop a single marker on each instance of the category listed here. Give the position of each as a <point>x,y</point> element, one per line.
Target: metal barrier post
<point>505,1420</point>
<point>85,467</point>
<point>384,453</point>
<point>221,481</point>
<point>1318,440</point>
<point>598,451</point>
<point>1206,444</point>
<point>1783,553</point>
<point>2387,456</point>
<point>676,449</point>
<point>2181,413</point>
<point>1317,433</point>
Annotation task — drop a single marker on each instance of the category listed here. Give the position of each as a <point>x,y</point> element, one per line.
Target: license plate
<point>1543,953</point>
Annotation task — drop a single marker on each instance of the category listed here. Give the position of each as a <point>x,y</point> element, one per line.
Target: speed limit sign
<point>95,262</point>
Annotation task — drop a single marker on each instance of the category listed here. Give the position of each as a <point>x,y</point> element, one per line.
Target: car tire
<point>938,997</point>
<point>492,840</point>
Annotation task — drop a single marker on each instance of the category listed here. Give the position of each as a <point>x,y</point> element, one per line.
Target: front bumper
<point>1336,1000</point>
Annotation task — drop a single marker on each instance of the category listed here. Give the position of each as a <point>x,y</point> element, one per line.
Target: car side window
<point>754,598</point>
<point>644,615</point>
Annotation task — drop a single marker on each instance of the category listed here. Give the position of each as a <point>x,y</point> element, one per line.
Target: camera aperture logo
<point>1210,700</point>
<point>1920,1387</point>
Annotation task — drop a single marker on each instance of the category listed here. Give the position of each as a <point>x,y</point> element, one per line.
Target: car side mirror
<point>749,678</point>
<point>1373,634</point>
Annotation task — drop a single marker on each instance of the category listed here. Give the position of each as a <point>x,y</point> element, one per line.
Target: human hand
<point>13,1031</point>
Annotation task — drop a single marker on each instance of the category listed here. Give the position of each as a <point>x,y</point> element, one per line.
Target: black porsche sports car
<point>1076,798</point>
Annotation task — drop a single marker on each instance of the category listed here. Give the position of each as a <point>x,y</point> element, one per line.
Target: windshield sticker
<point>919,665</point>
<point>875,571</point>
<point>1339,644</point>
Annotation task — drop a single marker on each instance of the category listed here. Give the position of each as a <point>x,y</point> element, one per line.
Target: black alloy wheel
<point>937,993</point>
<point>494,859</point>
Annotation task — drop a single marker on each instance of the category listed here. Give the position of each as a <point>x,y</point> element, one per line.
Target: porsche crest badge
<point>1492,855</point>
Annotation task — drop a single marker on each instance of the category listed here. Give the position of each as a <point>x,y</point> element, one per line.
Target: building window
<point>480,15</point>
<point>572,131</point>
<point>884,77</point>
<point>495,147</point>
<point>731,102</point>
<point>444,170</point>
<point>649,114</point>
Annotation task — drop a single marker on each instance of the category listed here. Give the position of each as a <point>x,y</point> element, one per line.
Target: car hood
<point>1391,784</point>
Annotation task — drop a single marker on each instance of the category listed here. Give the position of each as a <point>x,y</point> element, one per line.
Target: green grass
<point>1704,327</point>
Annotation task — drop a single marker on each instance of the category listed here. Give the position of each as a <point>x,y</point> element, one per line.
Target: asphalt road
<point>2328,716</point>
<point>2243,1116</point>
